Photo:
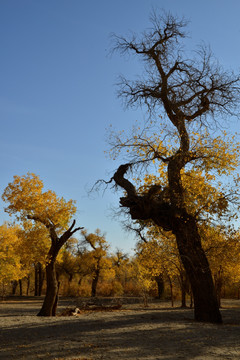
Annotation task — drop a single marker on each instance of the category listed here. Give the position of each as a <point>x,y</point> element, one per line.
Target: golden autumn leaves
<point>208,177</point>
<point>26,198</point>
<point>37,211</point>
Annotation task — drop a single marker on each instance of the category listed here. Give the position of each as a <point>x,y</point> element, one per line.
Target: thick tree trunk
<point>54,310</point>
<point>14,286</point>
<point>160,285</point>
<point>95,282</point>
<point>51,292</point>
<point>185,228</point>
<point>197,268</point>
<point>172,216</point>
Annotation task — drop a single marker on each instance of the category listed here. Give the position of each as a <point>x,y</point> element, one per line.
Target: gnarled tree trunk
<point>171,216</point>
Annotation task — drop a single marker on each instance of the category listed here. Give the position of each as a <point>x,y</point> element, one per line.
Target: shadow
<point>126,334</point>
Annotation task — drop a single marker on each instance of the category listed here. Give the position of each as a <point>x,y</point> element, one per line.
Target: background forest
<point>86,266</point>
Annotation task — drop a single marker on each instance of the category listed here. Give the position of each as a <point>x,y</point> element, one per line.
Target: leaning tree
<point>28,201</point>
<point>189,96</point>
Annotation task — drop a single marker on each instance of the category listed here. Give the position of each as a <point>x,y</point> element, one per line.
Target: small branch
<point>68,233</point>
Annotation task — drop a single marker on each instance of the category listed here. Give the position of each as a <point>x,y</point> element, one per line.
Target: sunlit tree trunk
<point>51,291</point>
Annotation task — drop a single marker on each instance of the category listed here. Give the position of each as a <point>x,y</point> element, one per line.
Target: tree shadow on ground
<point>126,334</point>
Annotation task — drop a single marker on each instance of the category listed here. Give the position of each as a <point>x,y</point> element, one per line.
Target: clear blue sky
<point>57,94</point>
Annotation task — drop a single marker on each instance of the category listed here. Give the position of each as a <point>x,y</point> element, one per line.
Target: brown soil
<point>129,333</point>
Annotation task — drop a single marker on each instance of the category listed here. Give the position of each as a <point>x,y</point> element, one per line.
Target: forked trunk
<point>195,262</point>
<point>51,292</point>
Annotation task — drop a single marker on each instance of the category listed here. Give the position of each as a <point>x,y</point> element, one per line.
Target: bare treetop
<point>186,88</point>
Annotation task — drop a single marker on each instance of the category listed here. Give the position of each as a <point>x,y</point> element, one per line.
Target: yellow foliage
<point>209,161</point>
<point>10,260</point>
<point>26,199</point>
<point>159,255</point>
<point>223,252</point>
<point>35,242</point>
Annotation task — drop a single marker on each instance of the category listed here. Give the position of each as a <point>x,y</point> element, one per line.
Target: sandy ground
<point>134,332</point>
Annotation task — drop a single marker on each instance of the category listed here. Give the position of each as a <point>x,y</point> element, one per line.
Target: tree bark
<point>51,291</point>
<point>160,285</point>
<point>54,310</point>
<point>197,267</point>
<point>14,287</point>
<point>95,282</point>
<point>184,285</point>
